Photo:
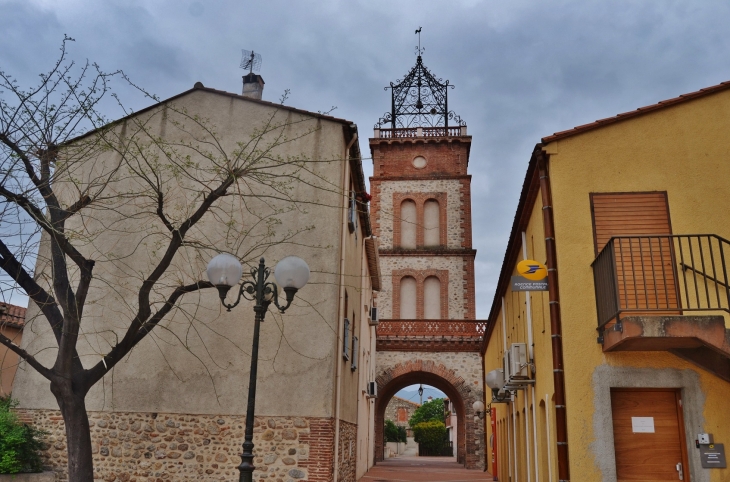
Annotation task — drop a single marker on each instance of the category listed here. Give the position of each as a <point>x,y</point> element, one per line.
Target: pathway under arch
<point>393,378</point>
<point>423,469</point>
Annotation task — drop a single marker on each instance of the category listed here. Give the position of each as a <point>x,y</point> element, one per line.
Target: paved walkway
<point>423,469</point>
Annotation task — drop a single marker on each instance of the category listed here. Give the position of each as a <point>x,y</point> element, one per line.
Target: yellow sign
<point>532,270</point>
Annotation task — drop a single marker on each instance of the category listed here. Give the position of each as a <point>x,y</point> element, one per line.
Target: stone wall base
<point>152,447</point>
<point>347,452</point>
<point>40,477</point>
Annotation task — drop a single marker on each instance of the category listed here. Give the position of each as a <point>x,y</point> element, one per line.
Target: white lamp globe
<point>224,270</point>
<point>291,272</point>
<point>478,406</point>
<point>495,379</point>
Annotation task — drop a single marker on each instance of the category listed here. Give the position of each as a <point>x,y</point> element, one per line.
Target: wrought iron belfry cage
<point>419,100</point>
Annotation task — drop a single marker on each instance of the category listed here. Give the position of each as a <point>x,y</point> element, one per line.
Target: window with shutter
<point>644,262</point>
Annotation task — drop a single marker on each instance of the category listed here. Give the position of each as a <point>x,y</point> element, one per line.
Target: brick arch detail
<point>456,389</point>
<point>420,199</point>
<point>420,276</point>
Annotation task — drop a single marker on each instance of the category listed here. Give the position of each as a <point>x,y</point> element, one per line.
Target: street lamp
<point>225,271</point>
<point>479,411</point>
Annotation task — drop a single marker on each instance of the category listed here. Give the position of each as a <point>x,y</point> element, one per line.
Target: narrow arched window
<point>408,224</point>
<point>408,298</point>
<point>431,223</point>
<point>432,298</point>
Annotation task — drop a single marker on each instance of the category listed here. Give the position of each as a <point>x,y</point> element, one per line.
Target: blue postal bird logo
<point>532,270</point>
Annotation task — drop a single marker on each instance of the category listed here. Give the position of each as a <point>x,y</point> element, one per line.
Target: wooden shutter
<point>644,265</point>
<point>631,213</point>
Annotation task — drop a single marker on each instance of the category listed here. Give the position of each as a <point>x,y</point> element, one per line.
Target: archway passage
<point>456,389</point>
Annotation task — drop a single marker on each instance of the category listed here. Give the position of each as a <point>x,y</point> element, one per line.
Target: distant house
<point>400,410</point>
<point>12,319</point>
<point>450,420</point>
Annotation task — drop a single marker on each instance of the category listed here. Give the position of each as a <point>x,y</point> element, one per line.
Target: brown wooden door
<point>644,262</point>
<point>642,454</point>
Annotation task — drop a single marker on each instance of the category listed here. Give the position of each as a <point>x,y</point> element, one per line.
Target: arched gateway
<point>421,211</point>
<point>393,376</point>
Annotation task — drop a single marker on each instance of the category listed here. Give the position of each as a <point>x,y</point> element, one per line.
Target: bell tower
<point>421,203</point>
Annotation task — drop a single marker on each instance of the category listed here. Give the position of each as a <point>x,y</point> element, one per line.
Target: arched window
<point>431,298</point>
<point>408,223</point>
<point>408,298</point>
<point>431,223</point>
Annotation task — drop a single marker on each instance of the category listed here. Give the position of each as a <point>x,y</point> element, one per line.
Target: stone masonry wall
<point>396,403</point>
<point>347,452</point>
<point>148,447</point>
<point>467,365</point>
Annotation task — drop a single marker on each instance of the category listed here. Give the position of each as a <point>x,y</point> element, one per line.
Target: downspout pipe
<point>556,330</point>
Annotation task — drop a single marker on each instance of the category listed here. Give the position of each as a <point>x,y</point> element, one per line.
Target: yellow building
<point>625,362</point>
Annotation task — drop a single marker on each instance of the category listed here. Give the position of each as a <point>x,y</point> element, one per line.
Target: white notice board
<point>642,424</point>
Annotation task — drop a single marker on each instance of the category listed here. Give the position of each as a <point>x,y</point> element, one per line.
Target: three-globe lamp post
<point>224,272</point>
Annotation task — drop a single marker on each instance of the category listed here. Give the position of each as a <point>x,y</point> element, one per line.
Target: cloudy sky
<point>522,69</point>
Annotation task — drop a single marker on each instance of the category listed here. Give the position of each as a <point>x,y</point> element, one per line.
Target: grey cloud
<point>522,69</point>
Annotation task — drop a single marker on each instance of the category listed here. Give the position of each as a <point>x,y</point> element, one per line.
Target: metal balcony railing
<point>661,275</point>
<point>420,132</point>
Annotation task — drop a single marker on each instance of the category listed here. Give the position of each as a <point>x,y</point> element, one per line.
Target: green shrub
<point>433,410</point>
<point>20,444</point>
<point>394,433</point>
<point>430,435</point>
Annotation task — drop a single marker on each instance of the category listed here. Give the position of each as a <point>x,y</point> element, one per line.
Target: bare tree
<point>93,197</point>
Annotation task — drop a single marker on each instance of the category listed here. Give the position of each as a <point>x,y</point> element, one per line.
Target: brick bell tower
<point>421,203</point>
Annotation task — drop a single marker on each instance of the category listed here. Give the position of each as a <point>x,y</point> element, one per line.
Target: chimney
<point>253,86</point>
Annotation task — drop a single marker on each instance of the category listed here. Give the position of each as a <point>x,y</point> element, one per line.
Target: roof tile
<point>640,111</point>
<point>12,315</point>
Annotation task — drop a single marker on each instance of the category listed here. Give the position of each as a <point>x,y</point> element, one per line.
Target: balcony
<point>413,132</point>
<point>430,335</point>
<point>667,293</point>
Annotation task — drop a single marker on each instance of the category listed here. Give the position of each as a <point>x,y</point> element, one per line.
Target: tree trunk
<point>78,434</point>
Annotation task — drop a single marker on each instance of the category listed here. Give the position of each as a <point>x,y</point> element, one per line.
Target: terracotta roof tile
<point>12,315</point>
<point>640,111</point>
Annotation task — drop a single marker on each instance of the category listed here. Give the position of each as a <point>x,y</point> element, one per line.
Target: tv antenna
<point>250,61</point>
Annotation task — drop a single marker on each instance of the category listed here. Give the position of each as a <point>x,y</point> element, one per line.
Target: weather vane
<point>419,50</point>
<point>250,61</point>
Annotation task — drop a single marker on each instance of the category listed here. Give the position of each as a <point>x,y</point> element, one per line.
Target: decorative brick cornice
<point>454,344</point>
<point>435,251</point>
<point>430,177</point>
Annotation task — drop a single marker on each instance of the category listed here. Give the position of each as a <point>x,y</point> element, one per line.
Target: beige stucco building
<point>175,408</point>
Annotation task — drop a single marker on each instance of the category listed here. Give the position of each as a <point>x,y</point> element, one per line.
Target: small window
<point>408,221</point>
<point>355,356</point>
<point>352,213</point>
<point>431,223</point>
<point>408,289</point>
<point>346,340</point>
<point>432,298</point>
<point>419,162</point>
